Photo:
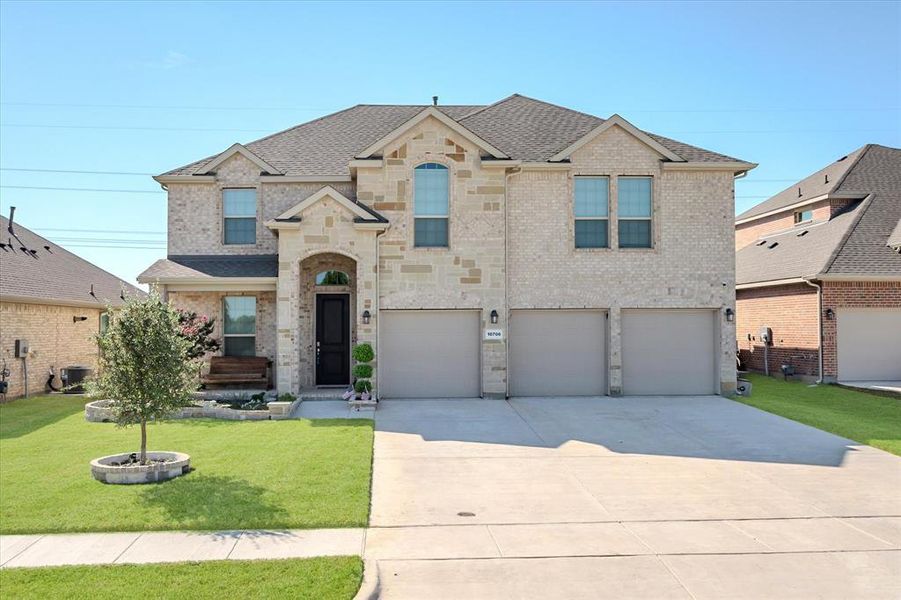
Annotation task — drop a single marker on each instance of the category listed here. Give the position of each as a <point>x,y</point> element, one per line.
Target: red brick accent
<point>791,312</point>
<point>746,233</point>
<point>852,294</point>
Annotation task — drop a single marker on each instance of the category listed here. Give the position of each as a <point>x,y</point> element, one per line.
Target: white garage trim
<point>429,354</point>
<point>670,351</point>
<point>558,352</point>
<point>868,344</point>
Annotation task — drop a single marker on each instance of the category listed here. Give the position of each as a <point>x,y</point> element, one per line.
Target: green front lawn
<point>314,578</point>
<point>263,474</point>
<point>863,417</point>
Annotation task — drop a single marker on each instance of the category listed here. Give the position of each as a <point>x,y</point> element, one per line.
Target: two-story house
<point>519,248</point>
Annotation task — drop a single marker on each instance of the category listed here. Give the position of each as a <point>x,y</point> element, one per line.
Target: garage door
<point>429,354</point>
<point>668,352</point>
<point>868,344</point>
<point>558,353</point>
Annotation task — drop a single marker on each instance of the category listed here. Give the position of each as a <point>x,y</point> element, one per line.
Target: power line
<point>68,229</point>
<point>107,240</point>
<point>71,245</point>
<point>75,171</point>
<point>130,128</point>
<point>68,189</point>
<point>161,106</point>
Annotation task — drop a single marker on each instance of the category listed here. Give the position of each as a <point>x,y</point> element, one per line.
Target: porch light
<point>830,314</point>
<point>494,317</point>
<point>77,319</point>
<point>730,315</point>
<point>366,317</point>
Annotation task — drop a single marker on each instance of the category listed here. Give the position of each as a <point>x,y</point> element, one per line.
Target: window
<point>633,205</point>
<point>239,211</point>
<point>332,278</point>
<point>802,216</point>
<point>430,193</point>
<point>240,325</point>
<point>590,210</point>
<point>104,322</point>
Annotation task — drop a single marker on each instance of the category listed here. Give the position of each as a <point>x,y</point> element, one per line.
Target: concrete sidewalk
<point>175,546</point>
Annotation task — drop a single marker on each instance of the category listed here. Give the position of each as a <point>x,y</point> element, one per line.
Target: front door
<point>332,339</point>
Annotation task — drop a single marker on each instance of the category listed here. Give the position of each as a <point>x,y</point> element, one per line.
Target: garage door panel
<point>868,346</point>
<point>558,353</point>
<point>668,352</point>
<point>429,354</point>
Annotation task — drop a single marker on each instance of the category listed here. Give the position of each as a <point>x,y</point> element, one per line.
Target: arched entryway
<point>327,327</point>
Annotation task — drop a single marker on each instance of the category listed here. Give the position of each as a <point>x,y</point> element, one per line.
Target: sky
<point>119,91</point>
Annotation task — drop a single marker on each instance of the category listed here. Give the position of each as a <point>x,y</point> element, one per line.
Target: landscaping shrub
<point>362,371</point>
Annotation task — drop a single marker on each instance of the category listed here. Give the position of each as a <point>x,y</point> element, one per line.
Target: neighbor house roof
<point>523,128</point>
<point>857,242</point>
<point>207,266</point>
<point>53,275</point>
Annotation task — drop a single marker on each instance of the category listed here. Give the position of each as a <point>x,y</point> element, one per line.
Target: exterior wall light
<point>77,319</point>
<point>366,317</point>
<point>730,315</point>
<point>830,314</point>
<point>494,317</point>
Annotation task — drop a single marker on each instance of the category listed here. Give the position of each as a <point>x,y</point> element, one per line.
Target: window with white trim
<point>239,325</point>
<point>633,212</point>
<point>591,211</point>
<point>430,205</point>
<point>239,216</point>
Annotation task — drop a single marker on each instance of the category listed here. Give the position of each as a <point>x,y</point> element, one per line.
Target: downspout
<point>819,289</point>
<point>507,177</point>
<point>375,304</point>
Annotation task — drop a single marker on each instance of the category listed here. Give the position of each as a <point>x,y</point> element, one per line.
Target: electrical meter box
<point>766,335</point>
<point>21,348</point>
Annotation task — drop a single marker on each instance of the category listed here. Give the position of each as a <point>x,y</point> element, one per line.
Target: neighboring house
<point>519,248</point>
<point>820,265</point>
<point>53,303</point>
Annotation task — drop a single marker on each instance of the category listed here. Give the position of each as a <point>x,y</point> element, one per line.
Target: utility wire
<point>67,229</point>
<point>75,171</point>
<point>68,189</point>
<point>130,128</point>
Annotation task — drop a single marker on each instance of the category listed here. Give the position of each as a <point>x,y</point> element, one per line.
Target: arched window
<point>430,201</point>
<point>332,278</point>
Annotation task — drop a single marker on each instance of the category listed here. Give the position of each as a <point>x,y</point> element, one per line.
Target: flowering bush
<point>198,331</point>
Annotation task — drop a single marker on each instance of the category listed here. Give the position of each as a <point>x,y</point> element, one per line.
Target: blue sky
<point>144,87</point>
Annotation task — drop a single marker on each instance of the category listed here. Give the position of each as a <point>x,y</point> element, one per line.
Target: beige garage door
<point>429,354</point>
<point>558,353</point>
<point>668,352</point>
<point>869,344</point>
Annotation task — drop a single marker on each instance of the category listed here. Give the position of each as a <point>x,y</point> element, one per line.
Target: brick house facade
<point>806,266</point>
<point>340,195</point>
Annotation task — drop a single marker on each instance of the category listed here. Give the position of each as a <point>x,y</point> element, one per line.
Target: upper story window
<point>239,216</point>
<point>802,216</point>
<point>239,325</point>
<point>633,206</point>
<point>332,278</point>
<point>590,208</point>
<point>430,205</point>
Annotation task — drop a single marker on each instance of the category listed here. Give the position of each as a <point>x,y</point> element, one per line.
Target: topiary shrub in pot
<point>362,371</point>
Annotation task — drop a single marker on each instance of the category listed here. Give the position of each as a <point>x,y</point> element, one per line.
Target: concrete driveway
<point>690,497</point>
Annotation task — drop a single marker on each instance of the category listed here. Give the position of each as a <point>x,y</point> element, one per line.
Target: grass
<point>319,578</point>
<point>262,474</point>
<point>865,418</point>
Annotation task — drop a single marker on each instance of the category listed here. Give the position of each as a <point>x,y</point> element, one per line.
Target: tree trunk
<point>143,441</point>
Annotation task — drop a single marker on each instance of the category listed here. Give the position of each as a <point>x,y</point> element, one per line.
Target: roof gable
<point>293,214</point>
<point>617,121</point>
<point>243,151</point>
<point>430,112</point>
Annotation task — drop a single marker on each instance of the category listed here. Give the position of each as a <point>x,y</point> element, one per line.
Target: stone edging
<point>107,473</point>
<point>99,412</point>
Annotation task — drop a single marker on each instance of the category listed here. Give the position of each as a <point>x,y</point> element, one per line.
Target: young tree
<point>198,330</point>
<point>143,368</point>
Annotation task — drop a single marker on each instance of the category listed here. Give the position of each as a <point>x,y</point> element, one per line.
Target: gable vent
<point>773,245</point>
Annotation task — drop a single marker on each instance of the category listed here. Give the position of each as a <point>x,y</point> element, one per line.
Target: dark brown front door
<point>332,339</point>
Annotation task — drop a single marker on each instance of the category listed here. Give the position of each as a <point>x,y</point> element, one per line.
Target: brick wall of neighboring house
<point>690,266</point>
<point>210,305</point>
<point>791,312</point>
<point>852,294</point>
<point>54,338</point>
<point>747,233</point>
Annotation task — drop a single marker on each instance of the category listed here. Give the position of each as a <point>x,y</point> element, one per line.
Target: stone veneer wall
<point>210,304</point>
<point>54,338</point>
<point>691,265</point>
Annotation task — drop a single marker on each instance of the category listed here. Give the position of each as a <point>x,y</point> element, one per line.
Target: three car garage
<point>553,352</point>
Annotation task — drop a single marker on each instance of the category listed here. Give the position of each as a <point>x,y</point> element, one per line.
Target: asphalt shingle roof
<point>522,127</point>
<point>55,275</point>
<point>856,242</point>
<point>211,265</point>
